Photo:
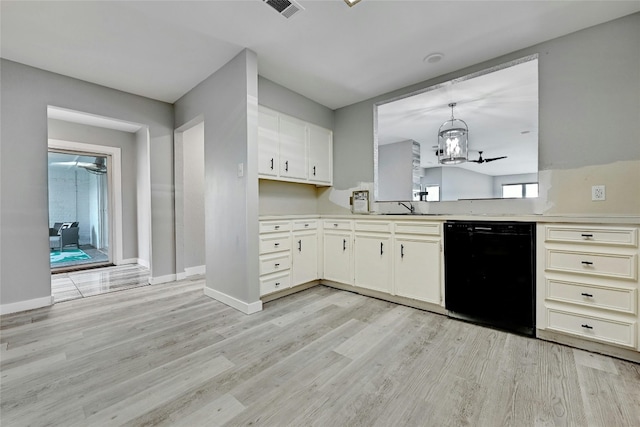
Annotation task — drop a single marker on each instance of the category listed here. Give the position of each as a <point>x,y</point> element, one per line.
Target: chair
<point>69,236</point>
<point>63,234</point>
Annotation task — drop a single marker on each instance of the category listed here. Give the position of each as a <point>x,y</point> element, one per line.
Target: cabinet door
<point>305,258</point>
<point>320,155</point>
<point>293,148</point>
<point>268,142</point>
<point>373,262</point>
<point>337,258</point>
<point>417,269</point>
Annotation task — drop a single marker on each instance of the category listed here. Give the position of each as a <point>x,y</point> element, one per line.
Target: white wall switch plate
<point>598,193</point>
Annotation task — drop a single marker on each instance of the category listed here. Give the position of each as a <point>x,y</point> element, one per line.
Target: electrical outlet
<point>598,193</point>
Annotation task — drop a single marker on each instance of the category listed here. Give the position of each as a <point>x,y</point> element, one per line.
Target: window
<point>433,194</point>
<point>519,191</point>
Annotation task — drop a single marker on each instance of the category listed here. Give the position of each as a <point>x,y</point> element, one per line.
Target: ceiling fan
<point>491,159</point>
<point>98,167</point>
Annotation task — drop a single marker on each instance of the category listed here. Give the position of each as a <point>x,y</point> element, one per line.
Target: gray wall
<point>126,141</point>
<point>281,99</point>
<point>24,247</point>
<point>193,196</point>
<point>227,100</point>
<point>459,183</point>
<point>588,101</point>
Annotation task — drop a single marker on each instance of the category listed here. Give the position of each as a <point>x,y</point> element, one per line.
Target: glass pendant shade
<point>453,141</point>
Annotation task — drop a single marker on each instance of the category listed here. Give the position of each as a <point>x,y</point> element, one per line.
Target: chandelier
<point>453,140</point>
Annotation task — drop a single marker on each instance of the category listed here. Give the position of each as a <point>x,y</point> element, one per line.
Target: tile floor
<point>81,284</point>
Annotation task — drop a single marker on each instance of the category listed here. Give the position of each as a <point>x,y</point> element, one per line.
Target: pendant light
<point>453,139</point>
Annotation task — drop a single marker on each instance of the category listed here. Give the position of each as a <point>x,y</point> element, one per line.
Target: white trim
<point>194,271</point>
<point>143,262</point>
<point>115,188</point>
<point>246,308</point>
<point>162,279</point>
<point>30,304</point>
<point>181,276</point>
<point>128,261</point>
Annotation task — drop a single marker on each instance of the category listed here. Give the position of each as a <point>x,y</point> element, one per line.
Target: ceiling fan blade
<point>495,158</point>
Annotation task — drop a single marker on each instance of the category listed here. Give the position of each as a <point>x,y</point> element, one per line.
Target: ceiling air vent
<point>286,8</point>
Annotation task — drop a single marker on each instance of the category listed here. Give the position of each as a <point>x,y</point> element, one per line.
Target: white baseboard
<point>31,304</point>
<point>162,279</point>
<point>194,271</point>
<point>181,276</point>
<point>246,308</point>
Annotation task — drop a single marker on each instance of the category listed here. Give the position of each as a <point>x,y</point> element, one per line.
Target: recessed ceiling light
<point>433,58</point>
<point>351,2</point>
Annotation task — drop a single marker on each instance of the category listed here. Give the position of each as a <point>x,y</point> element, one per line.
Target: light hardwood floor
<point>167,355</point>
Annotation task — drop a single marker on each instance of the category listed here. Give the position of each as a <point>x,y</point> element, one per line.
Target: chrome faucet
<point>410,207</point>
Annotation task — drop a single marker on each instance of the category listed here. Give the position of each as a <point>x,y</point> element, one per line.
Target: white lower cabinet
<point>305,258</point>
<point>337,256</point>
<point>372,259</point>
<point>417,268</point>
<point>588,282</point>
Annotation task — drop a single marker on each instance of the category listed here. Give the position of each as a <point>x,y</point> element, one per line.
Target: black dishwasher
<point>490,273</point>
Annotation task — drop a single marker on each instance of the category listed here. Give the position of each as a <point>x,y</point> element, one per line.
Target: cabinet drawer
<point>310,224</point>
<point>598,264</point>
<point>274,226</point>
<point>618,299</point>
<point>274,282</point>
<point>379,226</point>
<point>594,235</point>
<point>337,225</point>
<point>416,227</point>
<point>607,330</point>
<point>274,243</point>
<point>273,263</point>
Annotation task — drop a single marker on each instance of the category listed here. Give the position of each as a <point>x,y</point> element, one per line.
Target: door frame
<point>114,188</point>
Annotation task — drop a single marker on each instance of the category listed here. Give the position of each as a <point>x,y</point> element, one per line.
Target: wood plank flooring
<point>168,355</point>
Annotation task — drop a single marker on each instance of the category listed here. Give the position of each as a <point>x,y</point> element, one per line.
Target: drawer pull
<point>276,244</point>
<point>277,265</point>
<point>286,166</point>
<point>277,284</point>
<point>587,263</point>
<point>587,326</point>
<point>401,251</point>
<point>306,225</point>
<point>344,245</point>
<point>335,225</point>
<point>381,252</point>
<point>299,245</point>
<point>272,163</point>
<point>277,227</point>
<point>587,236</point>
<point>584,294</point>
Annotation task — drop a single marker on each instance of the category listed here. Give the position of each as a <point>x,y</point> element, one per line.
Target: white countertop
<point>578,219</point>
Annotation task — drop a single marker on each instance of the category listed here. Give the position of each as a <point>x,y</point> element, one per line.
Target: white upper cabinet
<point>320,155</point>
<point>292,150</point>
<point>268,142</point>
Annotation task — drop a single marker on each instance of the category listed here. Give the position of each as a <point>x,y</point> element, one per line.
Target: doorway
<point>79,220</point>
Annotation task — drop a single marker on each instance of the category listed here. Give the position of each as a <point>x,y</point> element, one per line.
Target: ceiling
<point>331,53</point>
<point>499,107</point>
